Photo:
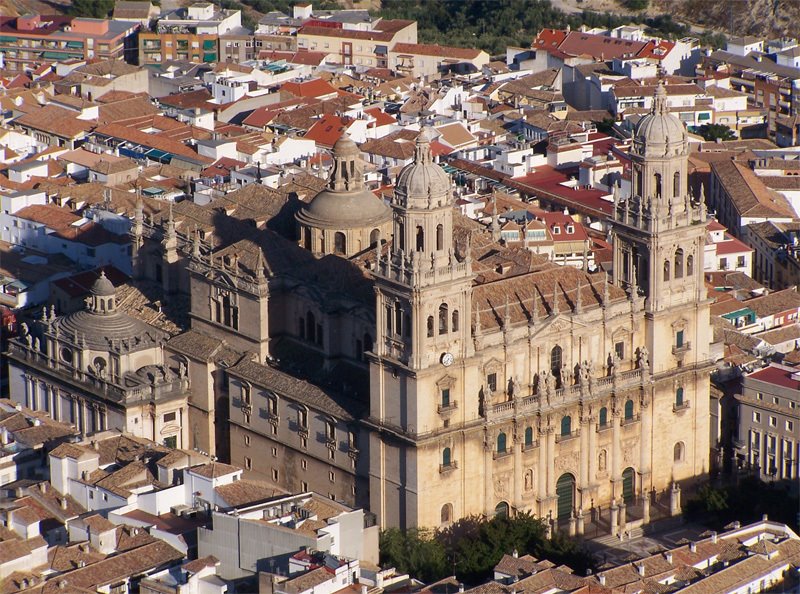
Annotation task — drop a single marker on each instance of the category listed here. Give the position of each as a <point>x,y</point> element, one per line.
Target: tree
<point>713,132</point>
<point>98,9</point>
<point>636,4</point>
<point>415,552</point>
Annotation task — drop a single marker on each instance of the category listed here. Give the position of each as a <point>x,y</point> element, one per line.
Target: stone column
<point>551,462</point>
<point>592,466</point>
<point>541,471</point>
<point>487,479</point>
<point>646,442</point>
<point>580,522</point>
<point>584,469</point>
<point>572,525</point>
<point>675,500</point>
<point>616,454</point>
<point>614,518</point>
<point>518,474</point>
<point>623,515</point>
<point>646,507</point>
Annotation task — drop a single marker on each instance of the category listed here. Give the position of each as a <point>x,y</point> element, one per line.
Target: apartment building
<point>358,48</point>
<point>768,433</point>
<point>35,39</point>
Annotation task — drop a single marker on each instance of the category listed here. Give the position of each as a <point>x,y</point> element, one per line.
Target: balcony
<point>530,446</point>
<point>445,468</point>
<point>446,409</point>
<point>680,407</point>
<point>682,349</point>
<point>497,455</point>
<point>603,426</point>
<point>631,420</point>
<point>567,436</point>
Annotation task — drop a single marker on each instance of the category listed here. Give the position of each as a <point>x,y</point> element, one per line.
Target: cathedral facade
<point>552,391</point>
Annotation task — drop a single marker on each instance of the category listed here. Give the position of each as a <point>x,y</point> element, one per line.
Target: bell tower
<point>420,358</point>
<point>423,289</point>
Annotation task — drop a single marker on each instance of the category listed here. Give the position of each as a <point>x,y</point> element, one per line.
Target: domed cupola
<point>659,133</point>
<point>422,184</point>
<point>346,216</point>
<point>104,296</point>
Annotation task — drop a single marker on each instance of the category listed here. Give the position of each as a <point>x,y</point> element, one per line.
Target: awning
<point>209,44</point>
<point>157,155</point>
<point>6,39</point>
<point>75,44</point>
<point>210,57</point>
<point>55,56</point>
<point>153,191</point>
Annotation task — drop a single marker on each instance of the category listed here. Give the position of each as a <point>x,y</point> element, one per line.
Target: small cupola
<point>104,295</point>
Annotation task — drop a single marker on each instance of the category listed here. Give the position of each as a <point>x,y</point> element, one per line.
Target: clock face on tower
<point>447,359</point>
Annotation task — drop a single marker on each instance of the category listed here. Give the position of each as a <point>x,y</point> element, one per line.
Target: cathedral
<point>551,390</point>
<point>397,357</point>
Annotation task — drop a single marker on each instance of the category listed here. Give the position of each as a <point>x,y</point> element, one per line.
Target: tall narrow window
<point>501,443</point>
<point>679,397</point>
<point>629,410</point>
<point>555,363</point>
<point>528,437</point>
<point>455,321</point>
<point>367,343</point>
<point>603,417</point>
<point>439,237</point>
<point>666,270</point>
<point>679,338</point>
<point>307,238</point>
<point>374,237</point>
<point>566,425</point>
<point>446,457</point>
<point>401,231</point>
<point>420,239</point>
<point>339,243</point>
<point>443,318</point>
<point>689,265</point>
<point>679,263</point>
<point>676,184</point>
<point>398,318</point>
<point>657,180</point>
<point>430,326</point>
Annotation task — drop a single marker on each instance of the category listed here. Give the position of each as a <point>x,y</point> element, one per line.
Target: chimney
<point>363,589</point>
<point>460,587</point>
<point>602,579</point>
<point>515,554</point>
<point>765,518</point>
<point>714,538</point>
<point>4,436</point>
<point>737,524</point>
<point>95,445</point>
<point>640,569</point>
<point>668,556</point>
<point>63,502</point>
<point>693,547</point>
<point>43,486</point>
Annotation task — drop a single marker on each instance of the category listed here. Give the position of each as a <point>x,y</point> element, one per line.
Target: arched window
<point>528,437</point>
<point>446,457</point>
<point>555,363</point>
<point>603,416</point>
<point>307,238</point>
<point>676,184</point>
<point>455,321</point>
<point>657,180</point>
<point>679,397</point>
<point>638,174</point>
<point>339,243</point>
<point>628,410</point>
<point>374,237</point>
<point>602,460</point>
<point>443,318</point>
<point>566,425</point>
<point>689,265</point>
<point>420,239</point>
<point>501,510</point>
<point>679,263</point>
<point>439,237</point>
<point>311,327</point>
<point>666,270</point>
<point>501,443</point>
<point>677,454</point>
<point>447,513</point>
<point>430,326</point>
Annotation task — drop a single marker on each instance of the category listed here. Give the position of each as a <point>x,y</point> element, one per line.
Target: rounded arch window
<point>439,237</point>
<point>566,425</point>
<point>676,184</point>
<point>446,457</point>
<point>629,410</point>
<point>679,397</point>
<point>374,237</point>
<point>455,321</point>
<point>666,270</point>
<point>679,263</point>
<point>501,443</point>
<point>501,510</point>
<point>430,326</point>
<point>603,417</point>
<point>556,355</point>
<point>420,239</point>
<point>678,452</point>
<point>443,318</point>
<point>689,265</point>
<point>447,513</point>
<point>528,437</point>
<point>339,243</point>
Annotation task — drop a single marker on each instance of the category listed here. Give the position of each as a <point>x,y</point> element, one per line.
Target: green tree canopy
<point>713,132</point>
<point>98,9</point>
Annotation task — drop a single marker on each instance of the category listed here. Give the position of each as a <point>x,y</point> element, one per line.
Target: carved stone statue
<point>549,384</point>
<point>182,369</point>
<point>482,402</point>
<point>23,329</point>
<point>590,374</point>
<point>583,374</point>
<point>643,361</point>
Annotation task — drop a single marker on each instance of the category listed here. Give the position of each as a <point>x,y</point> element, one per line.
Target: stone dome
<point>103,287</point>
<point>659,133</point>
<point>345,203</point>
<point>423,183</point>
<point>100,330</point>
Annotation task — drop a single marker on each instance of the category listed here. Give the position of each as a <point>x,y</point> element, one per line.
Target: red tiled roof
<point>310,88</point>
<point>577,43</point>
<point>328,129</point>
<point>777,376</point>
<point>439,51</point>
<point>381,117</point>
<point>547,181</point>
